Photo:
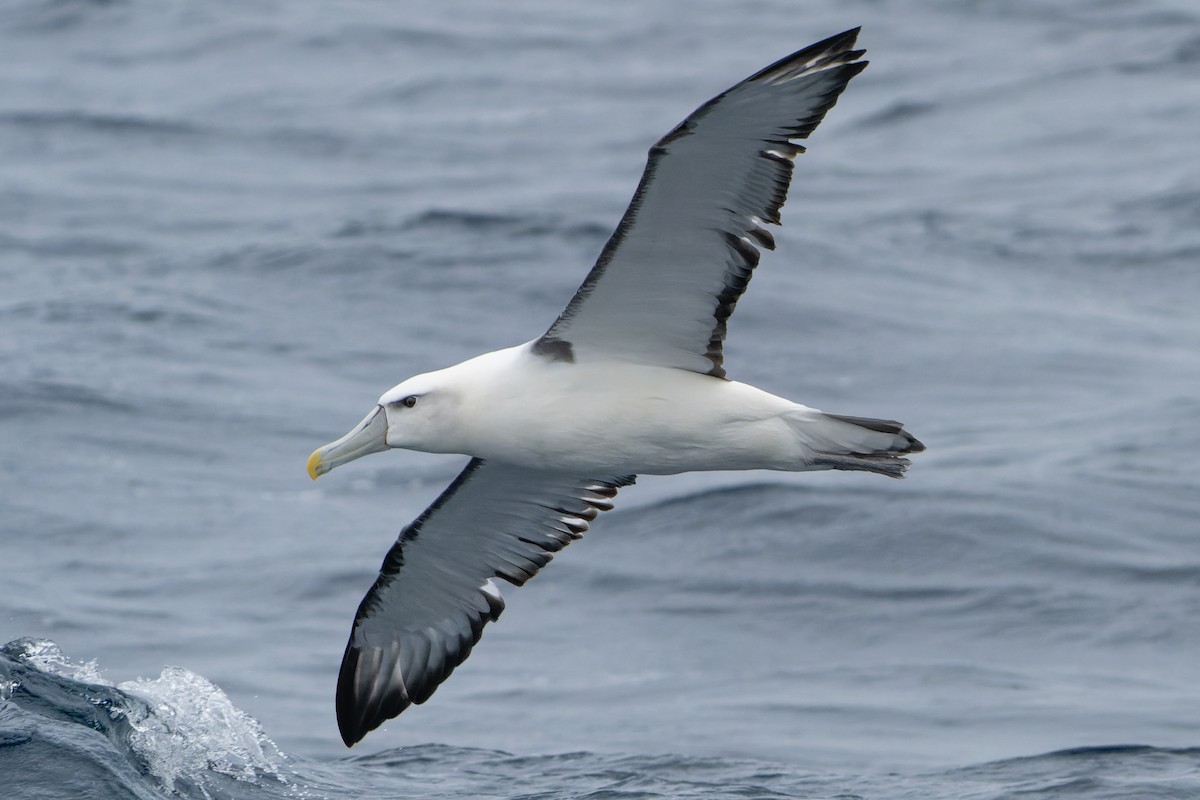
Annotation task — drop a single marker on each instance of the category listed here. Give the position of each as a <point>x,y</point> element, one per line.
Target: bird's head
<point>415,415</point>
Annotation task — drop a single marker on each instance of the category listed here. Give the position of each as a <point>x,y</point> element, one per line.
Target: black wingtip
<point>839,46</point>
<point>360,704</point>
<point>349,720</point>
<point>839,41</point>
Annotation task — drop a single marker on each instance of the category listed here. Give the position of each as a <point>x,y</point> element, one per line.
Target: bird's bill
<point>368,436</point>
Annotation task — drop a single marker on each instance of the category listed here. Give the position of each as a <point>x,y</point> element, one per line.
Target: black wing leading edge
<point>670,275</point>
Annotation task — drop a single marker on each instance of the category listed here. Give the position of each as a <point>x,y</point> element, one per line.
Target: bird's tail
<point>857,443</point>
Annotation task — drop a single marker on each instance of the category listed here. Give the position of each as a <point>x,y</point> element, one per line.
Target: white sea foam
<point>192,728</point>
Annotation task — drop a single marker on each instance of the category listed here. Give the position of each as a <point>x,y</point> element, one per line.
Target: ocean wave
<point>66,731</point>
<point>177,735</point>
<point>63,726</point>
<point>124,126</point>
<point>473,221</point>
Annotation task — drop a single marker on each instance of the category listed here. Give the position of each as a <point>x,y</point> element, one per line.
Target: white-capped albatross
<point>629,379</point>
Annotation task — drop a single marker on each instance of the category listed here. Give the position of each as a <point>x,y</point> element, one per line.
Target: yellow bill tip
<point>314,464</point>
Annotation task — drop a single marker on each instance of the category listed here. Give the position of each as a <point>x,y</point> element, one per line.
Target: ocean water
<point>226,228</point>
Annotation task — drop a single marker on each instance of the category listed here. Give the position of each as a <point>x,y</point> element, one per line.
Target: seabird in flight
<point>630,379</point>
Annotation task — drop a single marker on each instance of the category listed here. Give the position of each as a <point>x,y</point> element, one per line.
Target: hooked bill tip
<point>314,464</point>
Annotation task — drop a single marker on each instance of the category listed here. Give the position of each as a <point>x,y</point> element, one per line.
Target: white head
<point>418,414</point>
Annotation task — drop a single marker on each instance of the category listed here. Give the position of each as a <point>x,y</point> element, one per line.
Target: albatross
<point>629,379</point>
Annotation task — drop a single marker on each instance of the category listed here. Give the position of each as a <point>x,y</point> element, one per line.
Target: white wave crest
<point>193,728</point>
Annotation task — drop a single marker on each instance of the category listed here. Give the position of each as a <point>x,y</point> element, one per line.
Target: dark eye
<point>409,401</point>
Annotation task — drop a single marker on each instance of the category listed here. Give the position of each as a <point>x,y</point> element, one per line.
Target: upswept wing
<point>668,279</point>
<point>435,592</point>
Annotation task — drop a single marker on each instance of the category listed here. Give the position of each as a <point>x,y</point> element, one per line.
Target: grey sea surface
<point>226,228</point>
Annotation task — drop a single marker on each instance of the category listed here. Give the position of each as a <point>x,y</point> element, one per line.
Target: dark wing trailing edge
<point>435,593</point>
<point>682,255</point>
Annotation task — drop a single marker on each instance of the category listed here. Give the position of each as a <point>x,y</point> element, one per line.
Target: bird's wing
<point>668,278</point>
<point>435,593</point>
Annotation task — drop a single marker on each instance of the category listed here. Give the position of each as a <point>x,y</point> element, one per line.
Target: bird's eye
<point>409,401</point>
